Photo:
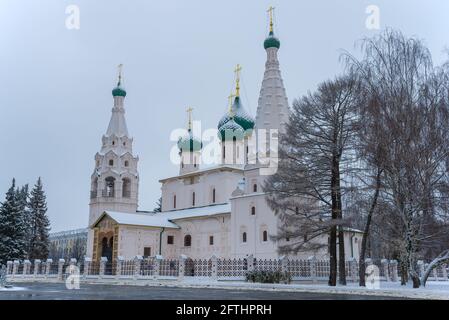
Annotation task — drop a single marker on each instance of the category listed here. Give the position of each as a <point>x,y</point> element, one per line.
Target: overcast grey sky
<point>56,83</point>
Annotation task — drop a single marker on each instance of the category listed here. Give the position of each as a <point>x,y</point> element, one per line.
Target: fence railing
<point>213,268</point>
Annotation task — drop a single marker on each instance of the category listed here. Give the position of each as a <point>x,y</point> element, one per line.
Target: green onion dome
<point>119,91</point>
<point>241,117</point>
<point>231,130</point>
<point>189,143</point>
<point>271,41</point>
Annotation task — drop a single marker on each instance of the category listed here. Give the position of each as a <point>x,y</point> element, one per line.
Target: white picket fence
<point>184,268</point>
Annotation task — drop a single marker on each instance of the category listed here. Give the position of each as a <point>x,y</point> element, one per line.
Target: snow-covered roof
<point>165,219</point>
<point>196,212</point>
<point>139,219</point>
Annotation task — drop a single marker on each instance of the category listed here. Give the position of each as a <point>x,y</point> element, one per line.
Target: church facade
<point>216,210</point>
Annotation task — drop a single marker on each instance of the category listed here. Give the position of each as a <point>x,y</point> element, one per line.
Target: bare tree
<point>315,156</point>
<point>408,97</point>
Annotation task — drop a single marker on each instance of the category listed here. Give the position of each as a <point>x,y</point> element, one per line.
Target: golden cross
<point>120,66</point>
<point>189,111</point>
<point>237,70</point>
<point>270,11</point>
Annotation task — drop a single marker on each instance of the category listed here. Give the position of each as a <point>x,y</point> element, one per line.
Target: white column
<point>313,268</point>
<point>26,267</point>
<point>37,264</point>
<point>60,267</point>
<point>118,270</point>
<point>182,267</point>
<point>394,270</point>
<point>103,261</point>
<point>87,262</point>
<point>384,263</point>
<point>48,263</point>
<point>214,260</point>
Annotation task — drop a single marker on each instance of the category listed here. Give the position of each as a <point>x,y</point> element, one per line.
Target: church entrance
<point>106,248</point>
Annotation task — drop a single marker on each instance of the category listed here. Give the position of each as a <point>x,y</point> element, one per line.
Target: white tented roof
<point>140,219</point>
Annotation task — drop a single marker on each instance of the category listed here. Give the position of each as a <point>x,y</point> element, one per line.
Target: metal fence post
<point>87,262</point>
<point>384,263</point>
<point>37,264</point>
<point>137,266</point>
<point>26,267</point>
<point>103,261</point>
<point>313,268</point>
<point>214,271</point>
<point>60,267</point>
<point>394,270</point>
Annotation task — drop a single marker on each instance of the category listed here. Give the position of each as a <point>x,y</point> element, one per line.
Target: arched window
<point>224,152</point>
<point>213,196</point>
<point>193,199</point>
<point>126,188</point>
<point>255,187</point>
<point>253,210</point>
<point>174,201</point>
<point>111,162</point>
<point>126,163</point>
<point>188,240</point>
<point>109,190</point>
<point>244,237</point>
<point>265,236</point>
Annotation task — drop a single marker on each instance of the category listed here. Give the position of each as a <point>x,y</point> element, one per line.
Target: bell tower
<point>115,180</point>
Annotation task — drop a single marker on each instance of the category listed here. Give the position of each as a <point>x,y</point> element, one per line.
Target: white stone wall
<point>133,240</point>
<point>200,229</point>
<point>224,182</point>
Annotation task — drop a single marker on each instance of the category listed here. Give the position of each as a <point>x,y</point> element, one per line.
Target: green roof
<point>240,116</point>
<point>189,143</point>
<point>119,91</point>
<point>271,41</point>
<point>231,130</point>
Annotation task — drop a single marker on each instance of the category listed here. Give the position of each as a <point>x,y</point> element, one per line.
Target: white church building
<point>216,210</point>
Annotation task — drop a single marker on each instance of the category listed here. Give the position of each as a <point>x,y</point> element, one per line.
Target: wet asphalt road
<point>58,291</point>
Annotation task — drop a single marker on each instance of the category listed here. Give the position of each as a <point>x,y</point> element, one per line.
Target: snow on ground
<point>12,289</point>
<point>433,290</point>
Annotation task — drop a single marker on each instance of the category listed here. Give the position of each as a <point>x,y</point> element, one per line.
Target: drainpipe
<point>160,241</point>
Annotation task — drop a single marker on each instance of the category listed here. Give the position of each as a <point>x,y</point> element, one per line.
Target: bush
<point>268,277</point>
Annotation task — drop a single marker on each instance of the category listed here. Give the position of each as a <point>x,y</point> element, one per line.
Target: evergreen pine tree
<point>22,198</point>
<point>40,225</point>
<point>12,227</point>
